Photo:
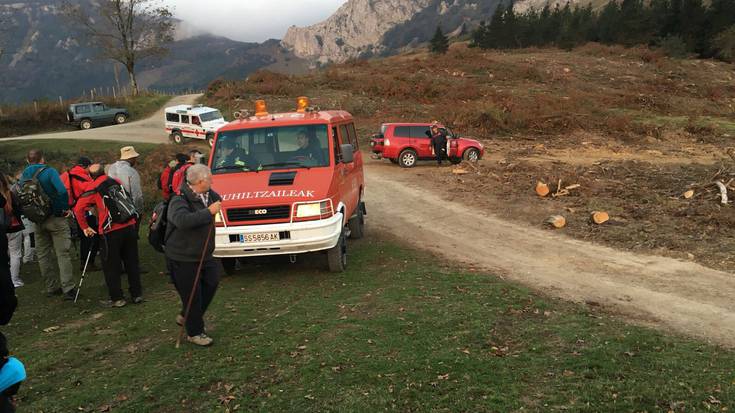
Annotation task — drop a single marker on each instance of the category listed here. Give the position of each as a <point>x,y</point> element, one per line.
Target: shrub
<point>674,46</point>
<point>724,43</point>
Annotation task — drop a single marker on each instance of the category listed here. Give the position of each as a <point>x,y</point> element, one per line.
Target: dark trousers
<point>440,150</point>
<point>121,247</point>
<point>184,274</point>
<point>88,245</point>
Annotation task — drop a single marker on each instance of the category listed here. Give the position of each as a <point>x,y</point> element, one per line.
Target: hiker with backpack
<point>13,226</point>
<point>195,157</point>
<point>165,182</point>
<point>44,201</point>
<point>117,222</point>
<point>124,171</point>
<point>75,180</point>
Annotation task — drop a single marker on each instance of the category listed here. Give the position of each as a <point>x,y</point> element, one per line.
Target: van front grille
<point>259,213</point>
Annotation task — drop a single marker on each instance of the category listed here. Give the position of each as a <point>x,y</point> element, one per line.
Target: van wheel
<point>85,124</point>
<point>178,138</point>
<point>229,265</point>
<point>455,161</point>
<point>356,224</point>
<point>407,158</point>
<point>472,154</point>
<point>337,255</point>
<point>120,118</point>
<point>210,140</point>
<point>392,160</point>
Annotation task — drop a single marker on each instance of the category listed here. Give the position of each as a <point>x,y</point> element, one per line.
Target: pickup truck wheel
<point>454,160</point>
<point>407,158</point>
<point>357,223</point>
<point>229,265</point>
<point>85,124</point>
<point>472,154</point>
<point>178,138</point>
<point>392,160</point>
<point>120,118</point>
<point>337,255</point>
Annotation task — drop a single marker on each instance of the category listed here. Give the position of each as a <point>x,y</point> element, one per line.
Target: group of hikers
<point>100,206</point>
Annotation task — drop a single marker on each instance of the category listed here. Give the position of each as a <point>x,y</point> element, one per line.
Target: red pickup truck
<point>408,143</point>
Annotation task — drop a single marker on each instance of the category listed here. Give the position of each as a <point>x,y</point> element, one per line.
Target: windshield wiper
<point>292,163</point>
<point>243,168</point>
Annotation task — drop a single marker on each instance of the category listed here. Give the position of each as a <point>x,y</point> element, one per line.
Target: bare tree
<point>126,31</point>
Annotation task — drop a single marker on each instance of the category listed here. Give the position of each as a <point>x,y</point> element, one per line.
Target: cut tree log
<point>600,217</point>
<point>688,194</point>
<point>556,221</point>
<point>460,171</point>
<point>542,189</point>
<point>723,192</point>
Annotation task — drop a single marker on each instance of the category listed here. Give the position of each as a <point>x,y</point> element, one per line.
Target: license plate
<point>263,237</point>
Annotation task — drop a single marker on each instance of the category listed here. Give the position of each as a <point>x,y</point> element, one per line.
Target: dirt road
<point>663,292</point>
<point>145,130</point>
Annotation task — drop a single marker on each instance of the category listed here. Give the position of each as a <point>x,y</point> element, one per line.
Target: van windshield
<point>281,147</point>
<point>210,116</point>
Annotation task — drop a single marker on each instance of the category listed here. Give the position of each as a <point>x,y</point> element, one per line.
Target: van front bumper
<point>295,238</point>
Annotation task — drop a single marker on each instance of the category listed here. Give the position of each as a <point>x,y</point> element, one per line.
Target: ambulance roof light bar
<point>260,108</point>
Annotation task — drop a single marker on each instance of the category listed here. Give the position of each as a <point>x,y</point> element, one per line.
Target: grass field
<point>401,330</point>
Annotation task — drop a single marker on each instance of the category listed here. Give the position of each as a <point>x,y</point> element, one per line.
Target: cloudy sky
<point>252,20</point>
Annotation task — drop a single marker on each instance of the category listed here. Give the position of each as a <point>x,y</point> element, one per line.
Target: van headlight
<point>314,209</point>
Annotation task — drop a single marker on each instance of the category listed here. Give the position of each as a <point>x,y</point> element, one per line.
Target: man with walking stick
<point>189,248</point>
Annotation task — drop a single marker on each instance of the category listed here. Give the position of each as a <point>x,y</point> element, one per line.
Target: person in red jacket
<point>119,241</point>
<point>167,176</point>
<point>75,181</point>
<point>179,176</point>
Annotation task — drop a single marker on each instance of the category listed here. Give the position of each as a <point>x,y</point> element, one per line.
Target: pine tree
<point>440,42</point>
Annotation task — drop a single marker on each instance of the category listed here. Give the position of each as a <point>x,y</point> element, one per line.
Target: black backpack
<point>157,228</point>
<point>120,206</point>
<point>34,202</point>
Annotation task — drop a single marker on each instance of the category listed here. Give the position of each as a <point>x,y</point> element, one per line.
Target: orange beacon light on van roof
<point>260,108</point>
<point>302,103</point>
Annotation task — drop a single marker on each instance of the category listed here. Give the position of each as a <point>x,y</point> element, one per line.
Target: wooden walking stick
<point>196,284</point>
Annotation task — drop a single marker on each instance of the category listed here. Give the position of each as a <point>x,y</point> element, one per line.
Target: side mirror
<point>427,133</point>
<point>348,153</point>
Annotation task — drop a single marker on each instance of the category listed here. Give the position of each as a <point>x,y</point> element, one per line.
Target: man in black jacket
<point>8,302</point>
<point>439,141</point>
<point>189,239</point>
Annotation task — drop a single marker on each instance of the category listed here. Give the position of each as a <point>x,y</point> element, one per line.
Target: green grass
<point>400,330</point>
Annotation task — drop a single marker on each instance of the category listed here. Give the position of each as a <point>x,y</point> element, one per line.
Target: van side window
<point>184,118</point>
<point>172,117</point>
<point>345,136</point>
<point>195,120</point>
<point>419,132</point>
<point>83,109</point>
<point>353,136</point>
<point>402,131</point>
<point>337,149</point>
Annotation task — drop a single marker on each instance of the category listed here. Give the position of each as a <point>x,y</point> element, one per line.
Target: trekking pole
<point>84,271</point>
<point>194,287</point>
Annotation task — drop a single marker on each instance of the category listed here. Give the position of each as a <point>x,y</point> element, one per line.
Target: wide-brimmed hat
<point>128,152</point>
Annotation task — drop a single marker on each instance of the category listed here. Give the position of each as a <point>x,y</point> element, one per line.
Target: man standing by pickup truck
<point>439,141</point>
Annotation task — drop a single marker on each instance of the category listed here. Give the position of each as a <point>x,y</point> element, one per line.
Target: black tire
<point>210,140</point>
<point>120,118</point>
<point>357,223</point>
<point>472,154</point>
<point>407,158</point>
<point>85,124</point>
<point>393,160</point>
<point>337,255</point>
<point>229,265</point>
<point>455,160</point>
<point>177,138</point>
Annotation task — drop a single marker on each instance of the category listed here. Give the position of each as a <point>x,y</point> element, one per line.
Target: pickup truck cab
<point>184,122</point>
<point>408,143</point>
<point>88,114</point>
<point>291,183</point>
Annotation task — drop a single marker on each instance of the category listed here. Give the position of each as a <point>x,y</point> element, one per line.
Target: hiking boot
<point>200,340</point>
<point>137,300</point>
<point>55,292</point>
<point>113,304</point>
<point>70,295</point>
<point>179,319</point>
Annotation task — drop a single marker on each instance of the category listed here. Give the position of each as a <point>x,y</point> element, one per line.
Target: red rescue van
<point>290,183</point>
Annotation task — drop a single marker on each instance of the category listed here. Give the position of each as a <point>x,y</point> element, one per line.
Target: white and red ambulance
<point>291,183</point>
<point>185,122</point>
